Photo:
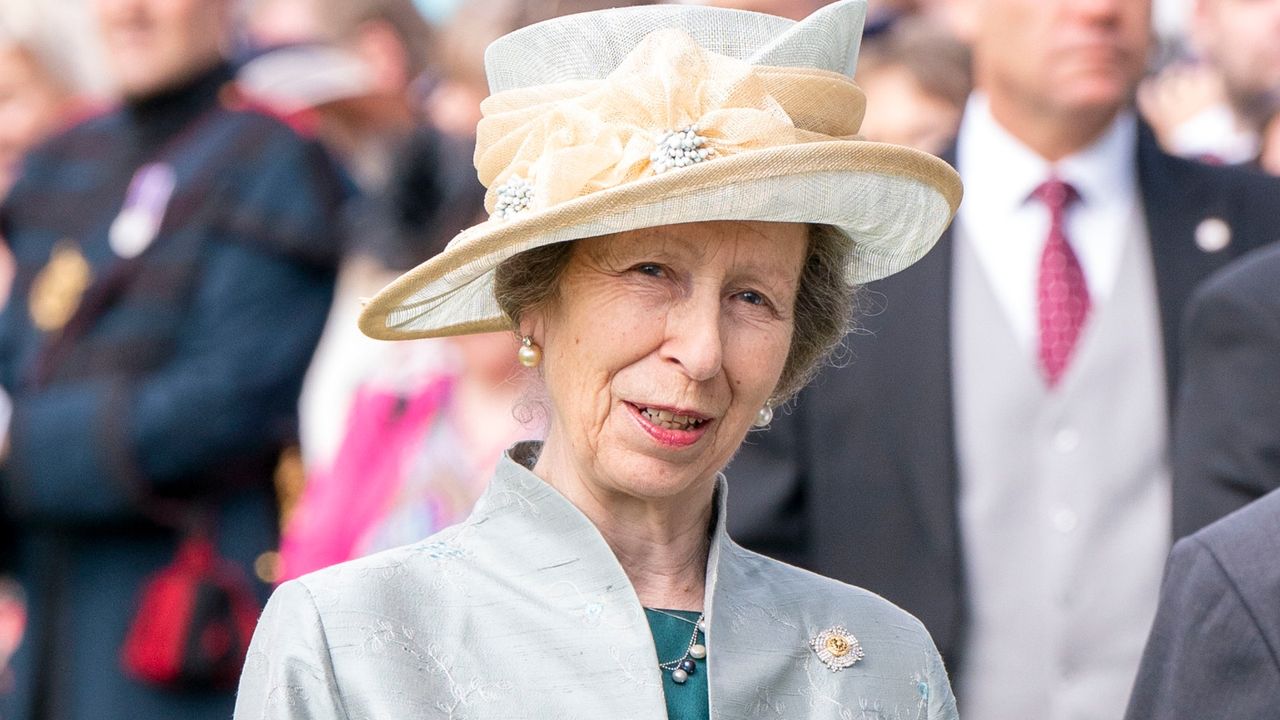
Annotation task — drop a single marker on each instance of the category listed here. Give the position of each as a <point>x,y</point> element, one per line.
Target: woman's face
<point>31,104</point>
<point>661,348</point>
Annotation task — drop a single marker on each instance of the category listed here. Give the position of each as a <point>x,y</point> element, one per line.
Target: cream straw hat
<point>640,117</point>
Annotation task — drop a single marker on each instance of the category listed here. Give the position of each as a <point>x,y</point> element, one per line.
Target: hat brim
<point>893,201</point>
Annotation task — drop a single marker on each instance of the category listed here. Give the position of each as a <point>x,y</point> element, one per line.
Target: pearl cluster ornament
<point>685,666</point>
<point>514,197</point>
<point>680,148</point>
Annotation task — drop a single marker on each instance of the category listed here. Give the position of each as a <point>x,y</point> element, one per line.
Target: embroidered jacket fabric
<point>523,611</point>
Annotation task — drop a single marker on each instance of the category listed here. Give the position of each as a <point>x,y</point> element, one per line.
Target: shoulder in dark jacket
<point>1214,650</point>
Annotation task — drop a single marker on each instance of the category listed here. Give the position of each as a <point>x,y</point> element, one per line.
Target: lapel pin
<point>1213,235</point>
<point>837,648</point>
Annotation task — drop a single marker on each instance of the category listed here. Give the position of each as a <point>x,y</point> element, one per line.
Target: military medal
<point>58,287</point>
<point>837,648</point>
<point>144,206</point>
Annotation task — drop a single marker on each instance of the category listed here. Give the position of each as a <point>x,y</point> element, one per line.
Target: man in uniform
<point>174,269</point>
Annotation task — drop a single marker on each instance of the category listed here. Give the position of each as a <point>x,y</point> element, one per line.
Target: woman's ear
<point>533,324</point>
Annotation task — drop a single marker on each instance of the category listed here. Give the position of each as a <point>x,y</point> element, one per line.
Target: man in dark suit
<point>1226,443</point>
<point>174,268</point>
<point>993,458</point>
<point>1214,650</point>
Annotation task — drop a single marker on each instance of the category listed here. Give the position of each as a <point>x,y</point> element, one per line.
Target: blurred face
<point>663,346</point>
<point>280,22</point>
<point>1242,37</point>
<point>31,105</point>
<point>154,45</point>
<point>1269,158</point>
<point>488,357</point>
<point>1060,57</point>
<point>902,112</point>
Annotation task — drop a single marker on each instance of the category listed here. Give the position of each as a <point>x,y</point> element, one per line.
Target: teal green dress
<point>671,637</point>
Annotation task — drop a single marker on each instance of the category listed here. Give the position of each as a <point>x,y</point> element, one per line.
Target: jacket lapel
<point>1178,196</point>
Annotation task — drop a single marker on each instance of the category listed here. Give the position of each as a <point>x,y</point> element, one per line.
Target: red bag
<point>194,622</point>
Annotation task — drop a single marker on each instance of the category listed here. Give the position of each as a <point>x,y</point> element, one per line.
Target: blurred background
<point>395,441</point>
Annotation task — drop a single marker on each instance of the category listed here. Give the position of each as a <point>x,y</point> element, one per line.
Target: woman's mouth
<point>671,420</point>
<point>670,426</point>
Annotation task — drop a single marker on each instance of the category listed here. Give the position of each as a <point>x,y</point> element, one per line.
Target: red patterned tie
<point>1062,295</point>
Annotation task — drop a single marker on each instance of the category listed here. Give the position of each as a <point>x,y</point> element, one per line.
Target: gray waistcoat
<point>1064,501</point>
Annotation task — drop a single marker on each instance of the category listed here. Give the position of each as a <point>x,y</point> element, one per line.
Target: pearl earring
<point>765,416</point>
<point>529,354</point>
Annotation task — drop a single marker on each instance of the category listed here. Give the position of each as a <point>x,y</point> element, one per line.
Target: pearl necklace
<point>684,666</point>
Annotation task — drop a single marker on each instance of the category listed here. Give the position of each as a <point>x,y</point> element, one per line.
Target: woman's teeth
<point>671,421</point>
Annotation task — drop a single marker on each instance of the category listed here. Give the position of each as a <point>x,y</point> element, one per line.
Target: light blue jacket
<point>523,611</point>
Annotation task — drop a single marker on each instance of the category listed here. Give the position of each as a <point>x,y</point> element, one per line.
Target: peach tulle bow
<point>575,138</point>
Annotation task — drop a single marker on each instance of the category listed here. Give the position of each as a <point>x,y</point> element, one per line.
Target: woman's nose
<point>694,340</point>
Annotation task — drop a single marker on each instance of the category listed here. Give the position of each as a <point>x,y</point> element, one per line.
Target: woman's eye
<point>753,298</point>
<point>650,269</point>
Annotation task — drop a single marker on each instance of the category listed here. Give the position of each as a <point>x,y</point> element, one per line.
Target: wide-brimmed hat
<point>641,117</point>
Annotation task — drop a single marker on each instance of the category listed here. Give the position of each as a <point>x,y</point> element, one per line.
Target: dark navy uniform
<point>175,263</point>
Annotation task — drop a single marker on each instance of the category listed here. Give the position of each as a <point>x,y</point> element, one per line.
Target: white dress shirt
<point>999,216</point>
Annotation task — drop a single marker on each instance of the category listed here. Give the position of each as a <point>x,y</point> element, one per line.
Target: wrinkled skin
<point>694,318</point>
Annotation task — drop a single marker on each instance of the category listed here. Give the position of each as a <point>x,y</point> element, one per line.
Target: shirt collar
<point>165,113</point>
<point>1000,172</point>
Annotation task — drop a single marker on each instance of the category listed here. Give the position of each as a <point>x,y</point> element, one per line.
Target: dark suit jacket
<point>860,481</point>
<point>1214,651</point>
<point>1226,450</point>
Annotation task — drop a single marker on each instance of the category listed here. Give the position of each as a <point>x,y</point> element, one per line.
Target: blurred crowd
<point>198,194</point>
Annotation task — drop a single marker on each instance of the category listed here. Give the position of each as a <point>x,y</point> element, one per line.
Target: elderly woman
<point>680,207</point>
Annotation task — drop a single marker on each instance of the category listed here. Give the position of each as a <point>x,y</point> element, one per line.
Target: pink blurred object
<point>334,514</point>
<point>13,621</point>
